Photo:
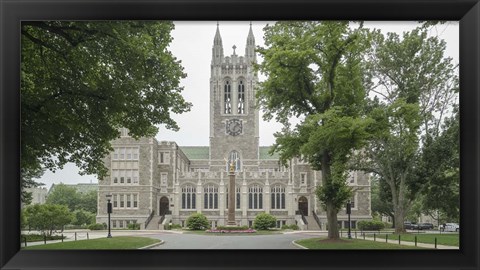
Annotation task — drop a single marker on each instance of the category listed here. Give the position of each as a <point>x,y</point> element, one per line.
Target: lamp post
<point>349,211</point>
<point>109,211</point>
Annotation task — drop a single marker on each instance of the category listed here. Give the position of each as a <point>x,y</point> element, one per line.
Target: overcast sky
<point>192,44</point>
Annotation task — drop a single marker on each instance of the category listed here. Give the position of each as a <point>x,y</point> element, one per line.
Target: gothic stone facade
<point>149,178</point>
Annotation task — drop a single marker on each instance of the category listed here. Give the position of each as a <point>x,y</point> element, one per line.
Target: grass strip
<point>450,239</point>
<point>324,243</point>
<point>119,242</point>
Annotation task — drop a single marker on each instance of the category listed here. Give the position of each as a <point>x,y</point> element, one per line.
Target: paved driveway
<point>195,241</point>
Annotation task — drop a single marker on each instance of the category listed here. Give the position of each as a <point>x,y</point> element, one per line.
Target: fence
<point>75,236</point>
<point>379,235</point>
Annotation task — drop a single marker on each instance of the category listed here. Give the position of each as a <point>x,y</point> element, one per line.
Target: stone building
<point>154,182</point>
<point>39,195</point>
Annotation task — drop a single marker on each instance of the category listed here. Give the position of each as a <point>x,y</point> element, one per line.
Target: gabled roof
<point>263,153</point>
<point>202,152</point>
<point>196,152</point>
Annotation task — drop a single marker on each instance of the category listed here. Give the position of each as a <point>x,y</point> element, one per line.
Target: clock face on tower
<point>234,127</point>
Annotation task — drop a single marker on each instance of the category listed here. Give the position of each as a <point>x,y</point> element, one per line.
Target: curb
<point>293,242</point>
<point>153,245</point>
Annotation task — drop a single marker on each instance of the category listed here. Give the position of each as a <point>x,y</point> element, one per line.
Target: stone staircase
<point>153,224</point>
<point>312,224</point>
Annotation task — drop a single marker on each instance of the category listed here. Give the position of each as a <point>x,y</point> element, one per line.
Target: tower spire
<point>218,39</point>
<point>217,50</point>
<point>250,48</point>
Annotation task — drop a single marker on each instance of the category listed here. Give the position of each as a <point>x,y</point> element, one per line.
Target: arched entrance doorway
<point>163,205</point>
<point>303,205</point>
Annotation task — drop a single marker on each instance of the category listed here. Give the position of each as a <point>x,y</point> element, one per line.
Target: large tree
<point>82,81</point>
<point>316,72</point>
<point>381,202</point>
<point>69,196</point>
<point>416,88</point>
<point>62,194</point>
<point>441,169</point>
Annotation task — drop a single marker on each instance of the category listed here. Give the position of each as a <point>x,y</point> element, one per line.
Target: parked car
<point>425,226</point>
<point>449,227</point>
<point>410,226</point>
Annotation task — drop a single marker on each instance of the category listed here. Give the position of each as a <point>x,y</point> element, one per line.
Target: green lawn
<point>450,239</point>
<point>320,243</point>
<point>119,242</point>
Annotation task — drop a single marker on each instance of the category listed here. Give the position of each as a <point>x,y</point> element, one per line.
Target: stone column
<point>231,197</point>
<point>221,203</point>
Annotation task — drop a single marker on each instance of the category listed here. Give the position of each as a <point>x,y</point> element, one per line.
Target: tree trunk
<point>399,218</point>
<point>333,232</point>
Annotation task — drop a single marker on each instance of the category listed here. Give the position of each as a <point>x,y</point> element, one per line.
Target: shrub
<point>133,226</point>
<point>264,221</point>
<point>290,227</point>
<point>96,226</point>
<point>75,227</point>
<point>47,217</point>
<point>39,237</point>
<point>175,226</point>
<point>197,221</point>
<point>82,217</point>
<point>370,225</point>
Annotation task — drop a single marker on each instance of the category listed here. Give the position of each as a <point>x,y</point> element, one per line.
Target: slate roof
<point>201,152</point>
<point>196,152</point>
<point>263,153</point>
<point>81,187</point>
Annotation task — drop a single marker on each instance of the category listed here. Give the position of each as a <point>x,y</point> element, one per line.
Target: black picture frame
<point>12,12</point>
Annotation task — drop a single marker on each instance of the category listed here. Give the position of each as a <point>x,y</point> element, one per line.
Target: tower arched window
<point>255,197</point>
<point>188,197</point>
<point>227,98</point>
<point>210,197</point>
<point>278,197</point>
<point>237,198</point>
<point>241,98</point>
<point>234,157</point>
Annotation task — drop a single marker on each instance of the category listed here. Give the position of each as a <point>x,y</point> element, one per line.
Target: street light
<point>109,211</point>
<point>349,211</point>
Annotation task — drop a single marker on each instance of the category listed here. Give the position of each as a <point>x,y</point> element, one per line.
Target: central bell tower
<point>234,130</point>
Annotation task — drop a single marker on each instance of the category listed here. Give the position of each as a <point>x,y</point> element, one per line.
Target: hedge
<point>374,225</point>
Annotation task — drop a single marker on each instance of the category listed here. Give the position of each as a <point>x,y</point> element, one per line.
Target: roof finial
<point>234,47</point>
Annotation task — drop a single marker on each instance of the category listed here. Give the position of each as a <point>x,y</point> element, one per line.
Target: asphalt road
<point>195,241</point>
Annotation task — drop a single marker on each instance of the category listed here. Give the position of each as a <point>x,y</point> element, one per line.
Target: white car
<point>450,227</point>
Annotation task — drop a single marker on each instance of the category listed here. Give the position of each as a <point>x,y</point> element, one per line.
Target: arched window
<point>241,98</point>
<point>237,198</point>
<point>210,197</point>
<point>188,197</point>
<point>278,197</point>
<point>228,98</point>
<point>255,197</point>
<point>234,157</point>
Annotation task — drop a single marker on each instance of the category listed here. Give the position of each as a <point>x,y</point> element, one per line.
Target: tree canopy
<point>82,81</point>
<point>74,200</point>
<point>315,71</point>
<point>416,88</point>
